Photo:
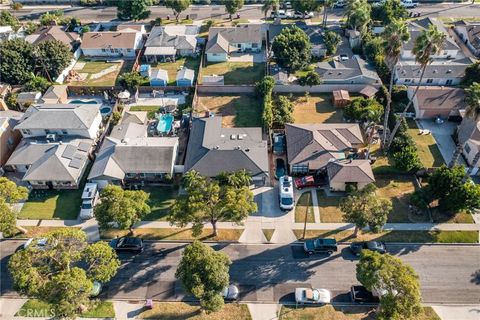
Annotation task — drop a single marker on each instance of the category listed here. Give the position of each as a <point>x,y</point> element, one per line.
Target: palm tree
<point>472,113</point>
<point>270,5</point>
<point>326,5</point>
<point>358,14</point>
<point>395,34</point>
<point>428,44</point>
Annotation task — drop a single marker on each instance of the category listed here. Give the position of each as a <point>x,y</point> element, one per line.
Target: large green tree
<point>62,272</point>
<point>204,273</point>
<point>292,49</point>
<point>209,200</point>
<point>270,5</point>
<point>8,19</point>
<point>10,194</point>
<point>472,74</point>
<point>396,32</point>
<point>232,6</point>
<point>407,158</point>
<point>332,40</point>
<point>305,5</point>
<point>264,90</point>
<point>282,111</point>
<point>121,207</point>
<point>453,190</point>
<point>427,44</point>
<point>37,83</point>
<point>358,14</point>
<point>52,57</point>
<point>364,110</point>
<point>388,11</point>
<point>16,63</point>
<point>133,9</point>
<point>178,6</point>
<point>131,80</point>
<point>363,208</point>
<point>394,282</point>
<point>312,78</point>
<point>8,219</point>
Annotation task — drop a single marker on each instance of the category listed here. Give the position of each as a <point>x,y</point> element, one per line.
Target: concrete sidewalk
<point>458,312</point>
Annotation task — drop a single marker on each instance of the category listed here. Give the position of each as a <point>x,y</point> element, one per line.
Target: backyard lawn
<point>52,204</point>
<point>100,73</point>
<point>182,310</point>
<point>317,109</point>
<point>173,67</point>
<point>161,199</point>
<point>236,73</point>
<point>304,203</point>
<point>237,110</point>
<point>151,110</point>
<point>427,148</point>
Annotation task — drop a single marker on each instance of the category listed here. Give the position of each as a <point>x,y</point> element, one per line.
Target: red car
<point>308,182</point>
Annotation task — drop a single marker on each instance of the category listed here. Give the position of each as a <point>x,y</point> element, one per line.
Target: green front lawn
<point>174,234</point>
<point>38,308</point>
<point>182,310</point>
<point>236,73</point>
<point>173,67</point>
<point>427,148</point>
<point>394,236</point>
<point>304,208</point>
<point>329,207</point>
<point>161,200</point>
<point>52,204</point>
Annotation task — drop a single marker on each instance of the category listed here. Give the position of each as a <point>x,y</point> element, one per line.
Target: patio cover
<point>160,51</point>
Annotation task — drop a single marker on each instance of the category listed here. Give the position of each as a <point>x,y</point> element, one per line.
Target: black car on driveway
<point>320,245</point>
<point>357,247</point>
<point>360,294</point>
<point>127,244</point>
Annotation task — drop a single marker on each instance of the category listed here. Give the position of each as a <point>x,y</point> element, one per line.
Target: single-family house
<point>449,49</point>
<point>164,43</point>
<point>437,73</point>
<point>111,44</point>
<point>45,33</point>
<point>55,94</point>
<point>354,173</point>
<point>213,149</point>
<point>469,133</point>
<point>354,70</point>
<point>25,99</point>
<point>469,32</point>
<point>313,32</point>
<point>431,102</point>
<point>310,147</point>
<point>223,41</point>
<point>185,77</point>
<point>80,120</point>
<point>159,78</point>
<point>129,156</point>
<point>48,164</point>
<point>9,137</point>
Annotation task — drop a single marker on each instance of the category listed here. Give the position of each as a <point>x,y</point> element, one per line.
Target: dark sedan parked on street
<point>127,244</point>
<point>357,247</point>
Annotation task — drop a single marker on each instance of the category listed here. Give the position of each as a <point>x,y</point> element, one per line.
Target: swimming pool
<point>105,110</point>
<point>165,123</point>
<point>84,101</point>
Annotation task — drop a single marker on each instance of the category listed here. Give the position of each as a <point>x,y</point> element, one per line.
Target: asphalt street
<point>89,14</point>
<point>269,273</point>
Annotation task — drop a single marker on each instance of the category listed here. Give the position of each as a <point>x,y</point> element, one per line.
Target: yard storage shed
<point>159,78</point>
<point>145,70</point>
<point>185,77</point>
<point>340,98</point>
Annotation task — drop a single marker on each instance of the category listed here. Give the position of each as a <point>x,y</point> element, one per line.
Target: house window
<point>467,149</point>
<point>104,50</point>
<point>26,131</point>
<point>429,80</point>
<point>299,168</point>
<point>129,50</point>
<point>64,132</point>
<point>407,80</point>
<point>449,82</point>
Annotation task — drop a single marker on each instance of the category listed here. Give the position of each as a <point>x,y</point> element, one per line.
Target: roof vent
<point>246,150</point>
<point>435,71</point>
<point>449,71</point>
<point>240,137</point>
<point>216,147</point>
<point>238,148</point>
<point>233,137</point>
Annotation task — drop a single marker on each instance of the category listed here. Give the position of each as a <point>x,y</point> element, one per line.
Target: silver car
<point>312,296</point>
<point>230,293</point>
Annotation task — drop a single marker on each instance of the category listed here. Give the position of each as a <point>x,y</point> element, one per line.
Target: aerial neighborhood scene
<point>240,159</point>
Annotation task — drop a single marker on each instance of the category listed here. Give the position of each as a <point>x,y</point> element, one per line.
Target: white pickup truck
<point>408,3</point>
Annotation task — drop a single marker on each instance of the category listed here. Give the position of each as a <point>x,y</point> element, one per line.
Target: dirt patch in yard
<point>316,109</point>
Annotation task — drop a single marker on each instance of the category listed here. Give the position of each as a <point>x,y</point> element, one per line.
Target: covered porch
<point>160,54</point>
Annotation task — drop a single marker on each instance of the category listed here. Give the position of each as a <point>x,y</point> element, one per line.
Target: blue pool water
<point>165,123</point>
<point>84,101</point>
<point>105,110</point>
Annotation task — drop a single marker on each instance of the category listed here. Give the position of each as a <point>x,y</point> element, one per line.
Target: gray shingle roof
<point>212,150</point>
<point>179,37</point>
<point>350,171</point>
<point>60,116</point>
<point>218,44</point>
<point>346,70</point>
<point>437,69</point>
<point>185,73</point>
<point>416,27</point>
<point>244,33</point>
<point>317,144</point>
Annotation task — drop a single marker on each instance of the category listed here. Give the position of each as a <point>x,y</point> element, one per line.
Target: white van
<point>89,199</point>
<point>408,3</point>
<point>287,201</point>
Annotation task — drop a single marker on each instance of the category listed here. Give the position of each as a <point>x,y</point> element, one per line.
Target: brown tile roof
<point>114,40</point>
<point>317,144</point>
<point>350,171</point>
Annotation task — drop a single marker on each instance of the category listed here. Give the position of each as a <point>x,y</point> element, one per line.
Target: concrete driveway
<point>443,136</point>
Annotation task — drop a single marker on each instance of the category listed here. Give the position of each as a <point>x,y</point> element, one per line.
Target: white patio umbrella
<point>124,95</point>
